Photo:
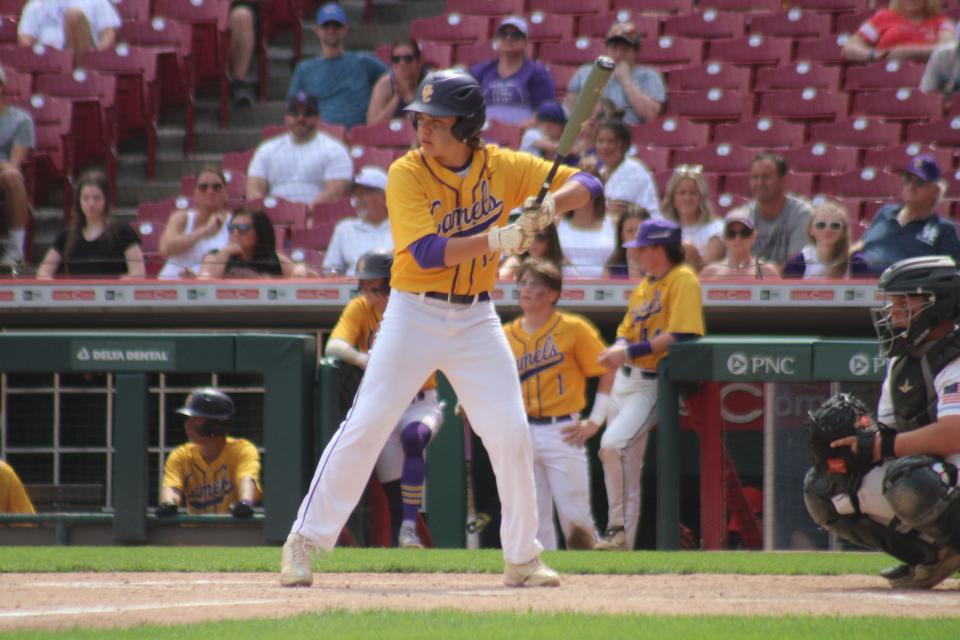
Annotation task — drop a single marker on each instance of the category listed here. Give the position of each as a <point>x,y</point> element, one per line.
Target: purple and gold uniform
<point>211,487</point>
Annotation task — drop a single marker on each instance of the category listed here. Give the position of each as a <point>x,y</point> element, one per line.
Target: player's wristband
<point>598,415</point>
<point>638,349</point>
<point>887,438</point>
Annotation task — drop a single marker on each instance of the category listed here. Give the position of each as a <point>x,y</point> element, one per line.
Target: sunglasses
<point>210,186</point>
<point>408,58</point>
<point>240,227</point>
<point>511,35</point>
<point>744,233</point>
<point>834,226</point>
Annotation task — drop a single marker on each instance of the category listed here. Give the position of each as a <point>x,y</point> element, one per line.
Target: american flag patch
<point>951,394</point>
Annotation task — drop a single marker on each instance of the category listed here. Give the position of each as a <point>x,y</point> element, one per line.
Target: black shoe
<point>241,94</point>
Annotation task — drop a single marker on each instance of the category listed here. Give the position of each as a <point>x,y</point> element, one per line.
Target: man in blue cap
<point>666,307</point>
<point>912,228</point>
<point>340,80</point>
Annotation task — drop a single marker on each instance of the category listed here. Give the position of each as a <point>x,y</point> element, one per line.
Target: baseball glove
<point>840,416</point>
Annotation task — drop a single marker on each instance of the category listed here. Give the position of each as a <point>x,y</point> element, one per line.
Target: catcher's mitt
<point>840,416</point>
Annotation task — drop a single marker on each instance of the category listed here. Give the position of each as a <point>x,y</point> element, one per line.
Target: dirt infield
<point>56,601</point>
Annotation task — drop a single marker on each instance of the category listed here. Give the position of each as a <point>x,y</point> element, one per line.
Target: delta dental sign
<point>122,355</point>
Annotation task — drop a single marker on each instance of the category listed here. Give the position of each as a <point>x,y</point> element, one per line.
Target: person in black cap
<point>542,140</point>
<point>303,165</point>
<point>912,228</point>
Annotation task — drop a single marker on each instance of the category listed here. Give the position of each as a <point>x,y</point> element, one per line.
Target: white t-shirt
<point>43,19</point>
<point>352,237</point>
<point>699,234</point>
<point>632,182</point>
<point>193,257</point>
<point>585,250</point>
<point>297,172</point>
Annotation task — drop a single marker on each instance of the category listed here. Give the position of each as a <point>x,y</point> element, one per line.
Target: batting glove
<point>511,239</point>
<point>166,510</point>
<point>241,510</point>
<point>535,217</point>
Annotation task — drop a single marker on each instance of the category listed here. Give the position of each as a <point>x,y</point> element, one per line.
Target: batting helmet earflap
<point>209,403</point>
<point>452,93</point>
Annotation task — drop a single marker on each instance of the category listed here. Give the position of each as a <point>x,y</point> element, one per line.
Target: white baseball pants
<point>425,409</point>
<point>418,336</point>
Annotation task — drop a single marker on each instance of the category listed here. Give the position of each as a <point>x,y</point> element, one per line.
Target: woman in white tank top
<point>193,233</point>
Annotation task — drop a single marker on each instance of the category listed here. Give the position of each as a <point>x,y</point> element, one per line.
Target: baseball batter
<point>556,352</point>
<point>448,203</point>
<point>664,308</point>
<point>401,467</point>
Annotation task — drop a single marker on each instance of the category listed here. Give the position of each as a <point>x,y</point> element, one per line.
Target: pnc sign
<point>741,363</point>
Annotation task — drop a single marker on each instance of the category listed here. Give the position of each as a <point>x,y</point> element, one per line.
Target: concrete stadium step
<point>170,167</point>
<point>132,193</point>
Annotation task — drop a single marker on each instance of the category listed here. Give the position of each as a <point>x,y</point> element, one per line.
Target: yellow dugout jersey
<point>213,487</point>
<point>13,497</point>
<point>672,304</point>
<point>426,198</point>
<point>554,363</point>
<point>358,326</point>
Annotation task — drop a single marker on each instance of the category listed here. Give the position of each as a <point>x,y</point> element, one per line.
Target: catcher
<point>893,486</point>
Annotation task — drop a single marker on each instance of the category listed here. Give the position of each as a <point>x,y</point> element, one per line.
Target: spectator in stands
<point>13,497</point>
<point>370,230</point>
<point>251,251</point>
<point>740,262</point>
<point>69,24</point>
<point>912,228</point>
<point>212,472</point>
<point>637,90</point>
<point>243,40</point>
<point>95,244</point>
<point>780,220</point>
<point>192,233</point>
<point>587,238</point>
<point>687,202</point>
<point>828,254</point>
<point>340,81</point>
<point>514,85</point>
<point>943,70</point>
<point>624,178</point>
<point>545,245</point>
<point>907,30</point>
<point>398,87</point>
<point>542,139</point>
<point>628,223</point>
<point>17,138</point>
<point>303,165</point>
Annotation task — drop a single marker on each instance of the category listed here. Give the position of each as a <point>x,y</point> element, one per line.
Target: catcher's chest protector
<point>911,383</point>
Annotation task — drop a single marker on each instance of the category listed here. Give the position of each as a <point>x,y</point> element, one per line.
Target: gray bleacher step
<point>132,193</point>
<point>218,141</point>
<point>170,167</point>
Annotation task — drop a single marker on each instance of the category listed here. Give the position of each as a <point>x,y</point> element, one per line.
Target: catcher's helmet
<point>209,403</point>
<point>375,264</point>
<point>452,93</point>
<point>933,277</point>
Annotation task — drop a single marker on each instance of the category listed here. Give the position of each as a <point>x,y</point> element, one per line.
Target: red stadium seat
<point>754,50</point>
<point>797,75</point>
<point>825,51</point>
<point>150,233</point>
<point>795,23</point>
<point>330,213</point>
<point>364,156</point>
<point>597,26</point>
<point>952,179</point>
<point>472,53</point>
<point>505,135</point>
<point>709,76</point>
<point>12,7</point>
<point>282,212</point>
<point>316,237</point>
<point>655,158</point>
<point>671,132</point>
<point>898,104</point>
<point>394,133</point>
<point>869,182</point>
<point>237,161</point>
<point>944,132</point>
<point>723,203</point>
<point>856,132</point>
<point>19,85</point>
<point>803,104</point>
<point>669,52</point>
<point>712,104</point>
<point>562,74</point>
<point>850,22</point>
<point>570,7</point>
<point>831,6</point>
<point>660,6</point>
<point>486,8</point>
<point>36,59</point>
<point>132,10</point>
<point>51,163</point>
<point>159,212</point>
<point>451,27</point>
<point>891,74</point>
<point>708,24</point>
<point>312,258</point>
<point>742,5</point>
<point>896,159</point>
<point>819,157</point>
<point>436,53</point>
<point>799,183</point>
<point>580,51</point>
<point>717,158</point>
<point>548,28</point>
<point>768,133</point>
<point>8,30</point>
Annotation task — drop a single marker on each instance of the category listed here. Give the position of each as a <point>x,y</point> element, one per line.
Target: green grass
<point>257,559</point>
<point>457,625</point>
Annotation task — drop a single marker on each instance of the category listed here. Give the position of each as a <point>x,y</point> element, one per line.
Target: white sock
<point>18,236</point>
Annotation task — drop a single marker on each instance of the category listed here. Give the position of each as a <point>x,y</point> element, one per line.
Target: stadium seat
<point>708,24</point>
<point>12,7</point>
<point>505,135</point>
<point>282,212</point>
<point>237,161</point>
<point>562,74</point>
<point>316,237</point>
<point>712,104</point>
<point>132,10</point>
<point>19,85</point>
<point>150,233</point>
<point>451,27</point>
<point>660,6</point>
<point>723,203</point>
<point>597,26</point>
<point>850,22</point>
<point>895,159</point>
<point>709,76</point>
<point>768,133</point>
<point>856,132</point>
<point>364,156</point>
<point>668,52</point>
<point>36,59</point>
<point>394,133</point>
<point>717,158</point>
<point>580,51</point>
<point>570,7</point>
<point>794,23</point>
<point>891,74</point>
<point>869,182</point>
<point>312,258</point>
<point>547,28</point>
<point>330,213</point>
<point>486,8</point>
<point>803,104</point>
<point>51,162</point>
<point>898,104</point>
<point>8,30</point>
<point>159,212</point>
<point>825,51</point>
<point>952,179</point>
<point>797,75</point>
<point>831,6</point>
<point>742,5</point>
<point>798,183</point>
<point>944,132</point>
<point>472,53</point>
<point>754,50</point>
<point>820,157</point>
<point>671,132</point>
<point>654,158</point>
<point>436,53</point>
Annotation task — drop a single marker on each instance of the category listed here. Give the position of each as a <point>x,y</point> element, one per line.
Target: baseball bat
<point>582,110</point>
<point>473,532</point>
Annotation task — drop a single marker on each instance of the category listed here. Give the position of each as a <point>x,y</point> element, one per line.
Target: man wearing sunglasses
<point>912,228</point>
<point>341,81</point>
<point>303,165</point>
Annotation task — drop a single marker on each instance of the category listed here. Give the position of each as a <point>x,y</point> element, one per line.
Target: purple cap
<point>656,231</point>
<point>302,99</point>
<point>741,216</point>
<point>331,12</point>
<point>924,167</point>
<point>552,112</point>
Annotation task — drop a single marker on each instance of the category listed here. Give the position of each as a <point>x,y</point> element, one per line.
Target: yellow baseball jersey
<point>554,363</point>
<point>672,304</point>
<point>212,487</point>
<point>358,326</point>
<point>13,497</point>
<point>424,197</point>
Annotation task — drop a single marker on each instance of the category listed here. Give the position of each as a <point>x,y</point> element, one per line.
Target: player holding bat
<point>448,203</point>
